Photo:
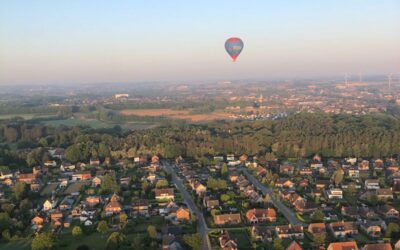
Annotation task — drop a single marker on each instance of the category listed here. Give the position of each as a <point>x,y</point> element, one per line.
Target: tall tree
<point>43,241</point>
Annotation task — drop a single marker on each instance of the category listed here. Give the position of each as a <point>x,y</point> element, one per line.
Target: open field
<point>179,114</point>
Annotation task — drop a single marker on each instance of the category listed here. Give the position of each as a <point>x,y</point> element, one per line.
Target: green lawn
<point>242,237</point>
<point>96,124</point>
<point>25,116</point>
<point>94,241</point>
<point>24,244</point>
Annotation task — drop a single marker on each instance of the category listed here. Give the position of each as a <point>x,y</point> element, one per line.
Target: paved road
<point>202,228</point>
<point>287,212</point>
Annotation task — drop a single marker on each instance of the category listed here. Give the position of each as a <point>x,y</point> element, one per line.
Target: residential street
<point>201,223</point>
<point>287,212</point>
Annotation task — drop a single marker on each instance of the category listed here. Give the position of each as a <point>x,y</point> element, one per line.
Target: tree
<point>225,197</point>
<point>109,184</point>
<point>317,216</point>
<point>216,184</point>
<point>278,244</point>
<point>77,231</point>
<point>19,190</point>
<point>319,239</point>
<point>43,241</point>
<point>145,186</point>
<point>214,212</point>
<point>6,235</point>
<point>393,230</point>
<point>102,227</point>
<point>372,199</point>
<point>116,240</point>
<point>7,207</point>
<point>4,220</point>
<point>351,191</point>
<point>194,241</point>
<point>123,218</point>
<point>74,153</point>
<point>224,170</point>
<point>337,177</point>
<point>162,183</point>
<point>151,230</point>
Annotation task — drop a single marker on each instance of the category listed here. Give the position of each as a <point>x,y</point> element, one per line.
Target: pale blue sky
<point>125,41</point>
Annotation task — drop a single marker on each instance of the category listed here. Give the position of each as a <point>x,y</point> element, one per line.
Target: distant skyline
<point>45,42</point>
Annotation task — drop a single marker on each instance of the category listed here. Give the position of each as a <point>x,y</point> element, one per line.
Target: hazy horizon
<point>46,42</point>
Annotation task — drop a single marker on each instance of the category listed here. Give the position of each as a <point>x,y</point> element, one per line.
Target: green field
<point>96,124</point>
<point>23,244</point>
<point>25,116</point>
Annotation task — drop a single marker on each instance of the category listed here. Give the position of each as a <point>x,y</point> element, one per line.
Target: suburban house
<point>210,202</point>
<point>350,211</point>
<point>57,153</point>
<point>6,175</point>
<point>37,220</point>
<point>94,162</point>
<point>334,193</point>
<point>261,171</point>
<point>140,207</point>
<point>50,163</point>
<point>56,218</point>
<point>348,245</point>
<point>316,228</point>
<point>285,183</point>
<point>290,231</point>
<point>66,203</point>
<point>384,193</point>
<point>222,219</point>
<point>199,188</point>
<point>373,228</point>
<point>92,201</point>
<point>260,215</point>
<point>262,233</point>
<point>183,214</point>
<point>322,184</point>
<point>305,171</point>
<point>96,181</point>
<point>28,178</point>
<point>163,194</point>
<point>47,205</point>
<point>342,229</point>
<point>226,242</point>
<point>113,206</point>
<point>388,211</point>
<point>353,172</point>
<point>371,184</point>
<point>363,165</point>
<point>377,246</point>
<point>286,169</point>
<point>294,246</point>
<point>81,176</point>
<point>233,177</point>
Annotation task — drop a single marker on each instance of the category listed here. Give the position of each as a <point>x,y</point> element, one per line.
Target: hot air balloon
<point>234,46</point>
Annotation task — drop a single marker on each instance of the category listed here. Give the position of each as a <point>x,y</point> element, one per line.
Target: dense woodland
<point>296,136</point>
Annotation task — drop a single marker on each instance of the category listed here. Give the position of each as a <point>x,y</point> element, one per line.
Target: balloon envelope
<point>234,46</point>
